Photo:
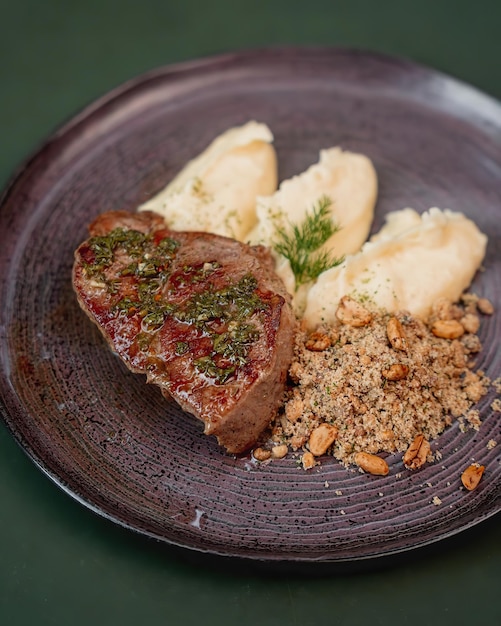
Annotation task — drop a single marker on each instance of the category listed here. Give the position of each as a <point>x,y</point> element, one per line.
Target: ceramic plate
<point>119,447</point>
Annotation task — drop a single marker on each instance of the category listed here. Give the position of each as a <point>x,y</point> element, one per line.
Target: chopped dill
<point>301,246</point>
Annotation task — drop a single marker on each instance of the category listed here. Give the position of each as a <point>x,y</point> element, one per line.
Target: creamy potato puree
<point>216,192</point>
<point>348,179</point>
<point>413,260</point>
<point>231,189</point>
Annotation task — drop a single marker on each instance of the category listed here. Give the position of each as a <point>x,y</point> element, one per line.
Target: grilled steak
<point>203,316</point>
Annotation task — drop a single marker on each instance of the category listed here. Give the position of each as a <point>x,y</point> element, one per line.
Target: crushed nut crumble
<point>346,384</point>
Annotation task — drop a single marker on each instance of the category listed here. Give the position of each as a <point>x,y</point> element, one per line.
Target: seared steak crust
<point>203,316</point>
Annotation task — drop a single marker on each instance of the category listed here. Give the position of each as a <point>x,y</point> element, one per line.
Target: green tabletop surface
<point>60,564</point>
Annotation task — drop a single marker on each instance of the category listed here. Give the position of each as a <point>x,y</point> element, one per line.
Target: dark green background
<point>60,564</point>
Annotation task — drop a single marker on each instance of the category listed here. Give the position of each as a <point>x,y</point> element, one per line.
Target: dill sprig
<point>301,244</point>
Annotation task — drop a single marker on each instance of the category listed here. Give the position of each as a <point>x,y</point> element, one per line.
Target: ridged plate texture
<point>130,455</point>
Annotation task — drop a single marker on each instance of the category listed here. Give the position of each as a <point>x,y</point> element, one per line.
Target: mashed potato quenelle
<point>231,189</point>
<point>412,261</point>
<point>216,192</point>
<point>347,179</point>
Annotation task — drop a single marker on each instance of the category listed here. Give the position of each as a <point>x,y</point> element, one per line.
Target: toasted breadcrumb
<point>345,385</point>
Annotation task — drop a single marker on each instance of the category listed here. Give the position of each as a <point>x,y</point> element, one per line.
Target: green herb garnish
<point>301,245</point>
<point>234,302</point>
<point>142,281</point>
<point>207,366</point>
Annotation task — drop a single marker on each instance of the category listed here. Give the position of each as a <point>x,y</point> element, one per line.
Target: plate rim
<point>174,71</point>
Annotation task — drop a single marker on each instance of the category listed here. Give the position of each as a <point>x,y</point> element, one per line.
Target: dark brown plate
<point>119,447</point>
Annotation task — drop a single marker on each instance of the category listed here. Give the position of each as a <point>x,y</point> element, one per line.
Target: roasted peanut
<point>472,475</point>
<point>485,306</point>
<point>447,329</point>
<point>352,313</point>
<point>318,342</point>
<point>321,438</point>
<point>417,453</point>
<point>278,452</point>
<point>396,334</point>
<point>261,454</point>
<point>397,371</point>
<point>308,460</point>
<point>371,463</point>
